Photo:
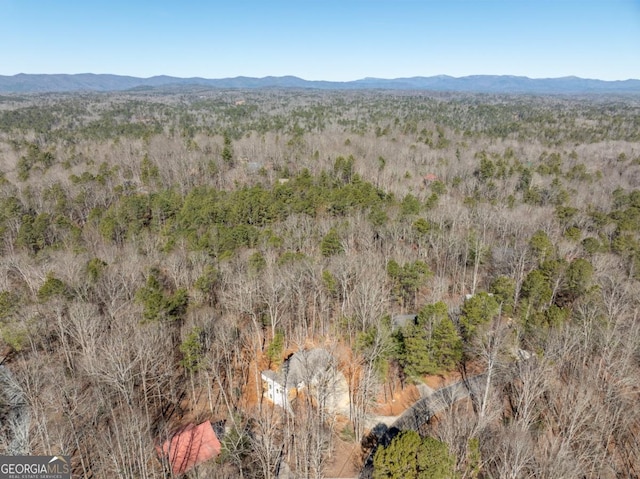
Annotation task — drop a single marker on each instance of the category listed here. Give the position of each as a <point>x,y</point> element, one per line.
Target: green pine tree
<point>446,345</point>
<point>478,310</point>
<point>409,456</point>
<point>331,244</point>
<point>227,150</point>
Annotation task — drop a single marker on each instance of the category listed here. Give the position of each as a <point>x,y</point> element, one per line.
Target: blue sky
<point>322,39</point>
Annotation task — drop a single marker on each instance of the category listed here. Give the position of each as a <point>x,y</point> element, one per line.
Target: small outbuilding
<point>429,178</point>
<point>400,321</point>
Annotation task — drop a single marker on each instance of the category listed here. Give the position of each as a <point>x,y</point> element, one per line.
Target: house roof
<point>402,320</point>
<point>274,376</point>
<point>191,446</point>
<point>305,366</point>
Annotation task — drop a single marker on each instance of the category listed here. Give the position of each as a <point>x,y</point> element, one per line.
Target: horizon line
<point>440,75</point>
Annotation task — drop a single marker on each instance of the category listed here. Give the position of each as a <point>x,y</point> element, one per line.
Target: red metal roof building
<point>191,446</point>
<point>430,178</point>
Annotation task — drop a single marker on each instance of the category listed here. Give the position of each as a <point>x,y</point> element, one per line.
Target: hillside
<point>161,248</point>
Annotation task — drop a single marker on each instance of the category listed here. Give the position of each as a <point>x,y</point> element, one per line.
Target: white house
<point>313,371</point>
<point>273,386</point>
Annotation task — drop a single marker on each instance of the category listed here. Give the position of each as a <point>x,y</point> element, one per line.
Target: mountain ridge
<point>92,82</point>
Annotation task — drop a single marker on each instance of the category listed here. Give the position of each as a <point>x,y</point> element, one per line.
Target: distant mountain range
<point>27,83</point>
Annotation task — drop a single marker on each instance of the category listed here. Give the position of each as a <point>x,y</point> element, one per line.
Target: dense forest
<point>159,248</point>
